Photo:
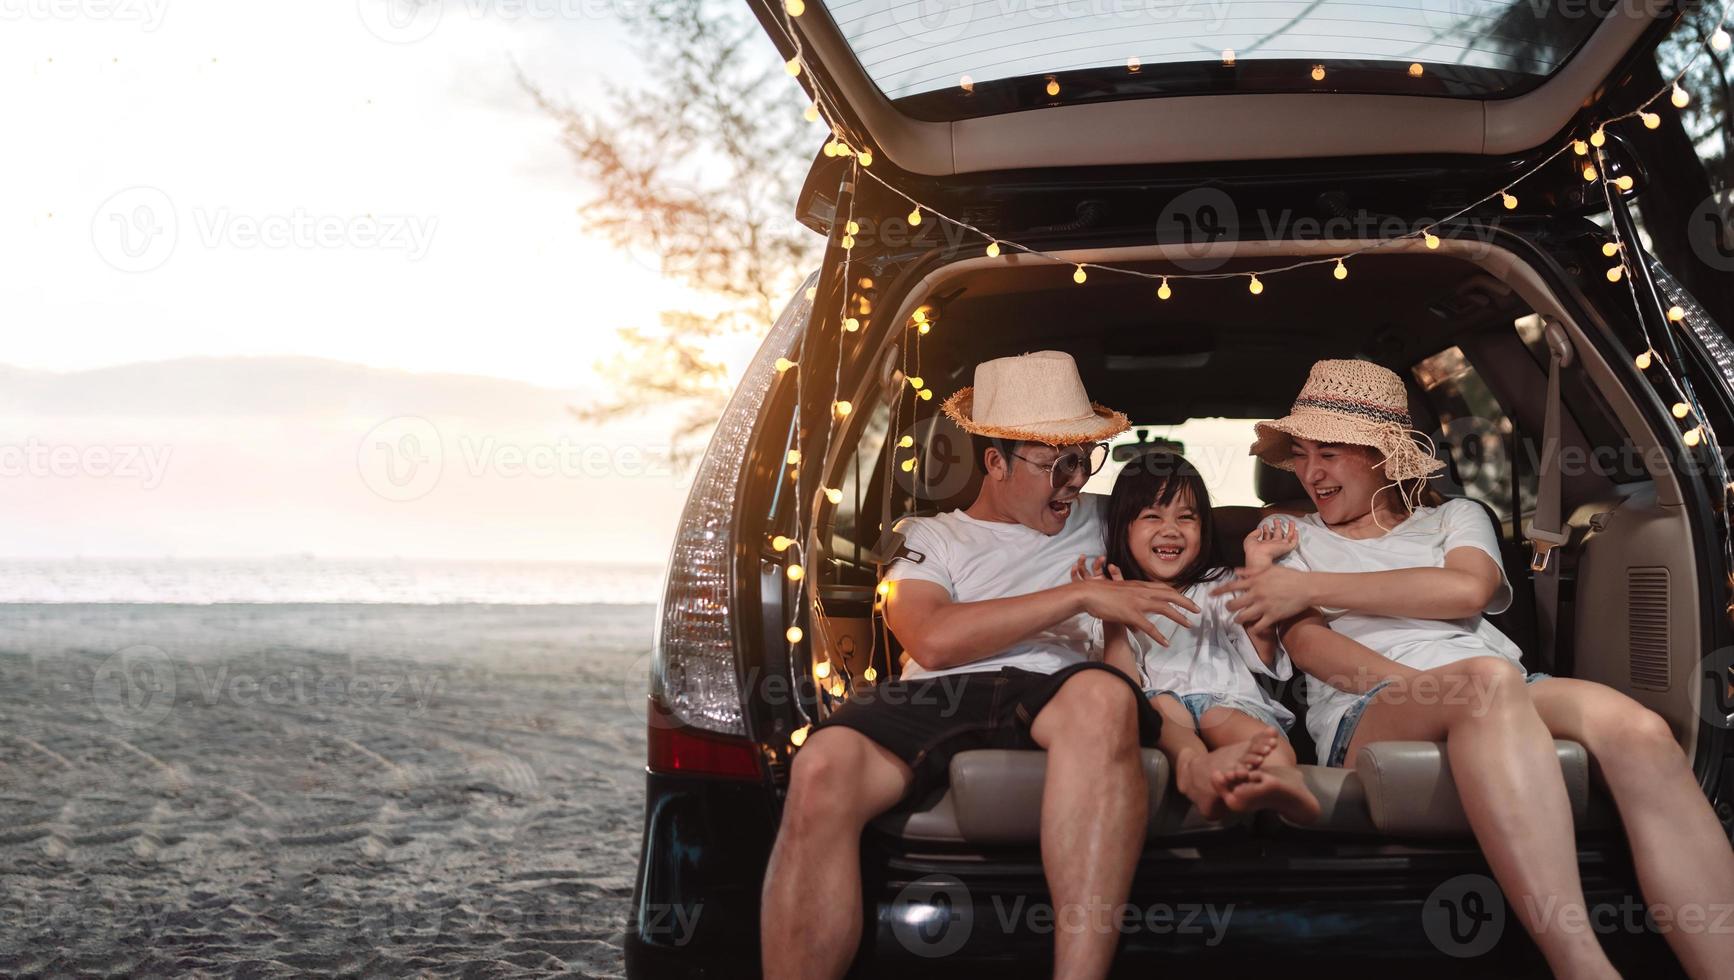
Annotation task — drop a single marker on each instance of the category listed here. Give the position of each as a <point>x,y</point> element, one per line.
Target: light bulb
<point>1589,171</point>
<point>843,408</point>
<point>923,328</point>
<point>1432,240</point>
<point>794,456</point>
<point>926,394</point>
<point>1616,272</point>
<point>781,543</point>
<point>906,442</point>
<point>1341,271</point>
<point>794,634</point>
<point>1695,436</point>
<point>854,227</point>
<point>811,113</point>
<point>851,324</point>
<point>915,382</point>
<point>848,242</point>
<point>1598,138</point>
<point>920,314</point>
<point>1415,70</point>
<point>1079,275</point>
<point>794,572</point>
<point>1652,120</point>
<point>1510,201</point>
<point>812,292</point>
<point>799,736</point>
<point>1162,291</point>
<point>1228,57</point>
<point>1134,65</point>
<point>1719,40</point>
<point>783,363</point>
<point>1676,314</point>
<point>834,495</point>
<point>1580,148</point>
<point>1318,73</point>
<point>1681,410</point>
<point>967,83</point>
<point>1623,182</point>
<point>1053,86</point>
<point>793,67</point>
<point>1254,286</point>
<point>1610,249</point>
<point>866,158</point>
<point>795,7</point>
<point>993,250</point>
<point>1679,98</point>
<point>822,669</point>
<point>915,217</point>
<point>1642,361</point>
<point>907,465</point>
<point>884,588</point>
<point>869,675</point>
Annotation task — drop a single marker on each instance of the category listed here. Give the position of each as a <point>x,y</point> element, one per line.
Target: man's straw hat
<point>1035,397</point>
<point>1354,402</point>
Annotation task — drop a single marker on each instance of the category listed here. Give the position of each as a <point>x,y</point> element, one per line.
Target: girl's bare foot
<point>1207,778</point>
<point>1271,787</point>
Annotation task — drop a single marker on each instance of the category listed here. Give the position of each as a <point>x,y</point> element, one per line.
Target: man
<point>997,635</point>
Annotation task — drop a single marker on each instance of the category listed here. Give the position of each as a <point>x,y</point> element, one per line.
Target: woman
<point>1381,605</point>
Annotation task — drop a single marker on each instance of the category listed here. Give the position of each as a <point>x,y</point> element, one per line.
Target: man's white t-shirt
<point>1214,657</point>
<point>1421,541</point>
<point>977,560</point>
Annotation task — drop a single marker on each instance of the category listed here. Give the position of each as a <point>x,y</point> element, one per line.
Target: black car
<point>1060,172</point>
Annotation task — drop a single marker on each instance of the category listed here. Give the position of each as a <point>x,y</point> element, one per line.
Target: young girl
<point>1159,528</point>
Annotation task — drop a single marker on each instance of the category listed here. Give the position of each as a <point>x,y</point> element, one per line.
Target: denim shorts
<point>1198,704</point>
<point>1352,717</point>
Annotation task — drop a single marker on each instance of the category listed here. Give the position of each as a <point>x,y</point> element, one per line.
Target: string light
<point>1681,410</point>
<point>925,394</point>
<point>1680,97</point>
<point>1719,40</point>
<point>795,7</point>
<point>798,737</point>
<point>866,158</point>
<point>1415,70</point>
<point>794,572</point>
<point>1079,275</point>
<point>884,588</point>
<point>1676,314</point>
<point>822,669</point>
<point>967,84</point>
<point>1341,271</point>
<point>1695,436</point>
<point>851,324</point>
<point>1134,65</point>
<point>1053,85</point>
<point>906,442</point>
<point>793,67</point>
<point>1318,73</point>
<point>1162,291</point>
<point>869,675</point>
<point>1228,57</point>
<point>1643,361</point>
<point>1589,171</point>
<point>1624,182</point>
<point>915,217</point>
<point>794,634</point>
<point>1254,286</point>
<point>908,465</point>
<point>781,544</point>
<point>1652,120</point>
<point>993,250</point>
<point>1509,200</point>
<point>1432,240</point>
<point>1598,138</point>
<point>916,383</point>
<point>834,495</point>
<point>842,408</point>
<point>1616,272</point>
<point>812,294</point>
<point>794,456</point>
<point>811,113</point>
<point>1580,147</point>
<point>783,364</point>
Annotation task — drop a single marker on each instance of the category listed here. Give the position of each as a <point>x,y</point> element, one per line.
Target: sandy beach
<point>266,790</point>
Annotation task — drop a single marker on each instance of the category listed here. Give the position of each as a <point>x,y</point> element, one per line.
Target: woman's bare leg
<point>1684,862</point>
<point>1274,784</point>
<point>1202,773</point>
<point>1513,792</point>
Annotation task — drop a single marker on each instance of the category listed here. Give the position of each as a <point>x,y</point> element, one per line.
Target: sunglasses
<point>1064,467</point>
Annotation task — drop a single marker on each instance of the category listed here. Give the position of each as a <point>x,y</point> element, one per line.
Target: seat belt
<point>1546,529</point>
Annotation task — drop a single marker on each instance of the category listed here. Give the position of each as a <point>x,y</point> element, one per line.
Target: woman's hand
<point>1270,540</point>
<point>1264,598</point>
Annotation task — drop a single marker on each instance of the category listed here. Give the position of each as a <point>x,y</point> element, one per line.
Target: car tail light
<point>693,674</point>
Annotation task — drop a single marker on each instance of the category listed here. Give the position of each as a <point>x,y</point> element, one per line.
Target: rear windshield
<point>958,58</point>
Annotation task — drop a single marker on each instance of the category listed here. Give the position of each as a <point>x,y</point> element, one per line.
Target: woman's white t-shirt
<point>1214,657</point>
<point>1421,541</point>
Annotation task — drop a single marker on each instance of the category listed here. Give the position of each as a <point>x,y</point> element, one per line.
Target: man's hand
<point>1266,598</point>
<point>1115,601</point>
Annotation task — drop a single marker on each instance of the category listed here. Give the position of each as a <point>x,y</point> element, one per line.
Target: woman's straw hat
<point>1354,402</point>
<point>1035,397</point>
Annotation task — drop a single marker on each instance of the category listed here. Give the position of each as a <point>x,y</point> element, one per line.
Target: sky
<point>361,181</point>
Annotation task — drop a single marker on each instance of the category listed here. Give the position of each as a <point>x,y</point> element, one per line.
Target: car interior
<point>1463,325</point>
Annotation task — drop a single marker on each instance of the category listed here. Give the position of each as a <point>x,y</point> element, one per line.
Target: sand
<point>252,790</point>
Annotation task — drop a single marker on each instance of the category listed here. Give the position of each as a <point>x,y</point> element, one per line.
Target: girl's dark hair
<point>1155,479</point>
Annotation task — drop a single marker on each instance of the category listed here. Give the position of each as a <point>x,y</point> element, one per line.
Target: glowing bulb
<point>993,250</point>
<point>1162,291</point>
<point>915,382</point>
<point>848,242</point>
<point>799,736</point>
<point>906,442</point>
<point>1228,57</point>
<point>795,7</point>
<point>1695,436</point>
<point>1610,249</point>
<point>920,314</point>
<point>1134,65</point>
<point>1079,275</point>
<point>1589,171</point>
<point>1510,201</point>
<point>1652,120</point>
<point>1415,70</point>
<point>1254,286</point>
<point>794,634</point>
<point>1053,86</point>
<point>783,363</point>
<point>866,158</point>
<point>1616,272</point>
<point>908,465</point>
<point>854,227</point>
<point>923,328</point>
<point>1341,271</point>
<point>884,588</point>
<point>793,67</point>
<point>834,495</point>
<point>1676,314</point>
<point>830,148</point>
<point>781,543</point>
<point>822,669</point>
<point>1679,98</point>
<point>794,572</point>
<point>1719,40</point>
<point>1580,148</point>
<point>926,394</point>
<point>843,408</point>
<point>1598,138</point>
<point>1318,73</point>
<point>811,113</point>
<point>837,687</point>
<point>1623,182</point>
<point>794,456</point>
<point>967,83</point>
<point>1681,410</point>
<point>869,675</point>
<point>1643,361</point>
<point>851,324</point>
<point>1432,240</point>
<point>915,217</point>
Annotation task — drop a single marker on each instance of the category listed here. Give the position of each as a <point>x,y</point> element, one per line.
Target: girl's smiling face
<point>1165,538</point>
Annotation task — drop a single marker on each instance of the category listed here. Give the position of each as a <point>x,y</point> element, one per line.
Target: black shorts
<point>926,721</point>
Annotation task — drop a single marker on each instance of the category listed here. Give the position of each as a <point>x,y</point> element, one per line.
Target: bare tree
<point>700,168</point>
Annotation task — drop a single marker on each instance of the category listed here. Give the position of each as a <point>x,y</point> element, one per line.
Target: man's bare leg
<point>1684,863</point>
<point>1094,807</point>
<point>840,779</point>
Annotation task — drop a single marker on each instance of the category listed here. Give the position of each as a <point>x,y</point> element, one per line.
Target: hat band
<point>1355,406</point>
